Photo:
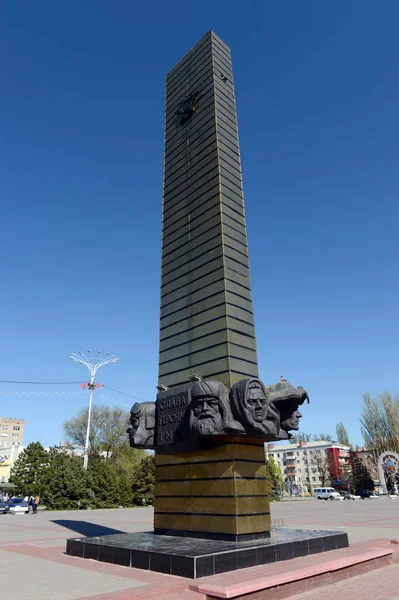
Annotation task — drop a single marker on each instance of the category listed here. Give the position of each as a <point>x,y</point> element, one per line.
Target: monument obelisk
<point>207,325</point>
<point>212,414</point>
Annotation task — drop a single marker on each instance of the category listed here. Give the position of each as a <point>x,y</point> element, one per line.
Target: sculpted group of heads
<point>248,408</point>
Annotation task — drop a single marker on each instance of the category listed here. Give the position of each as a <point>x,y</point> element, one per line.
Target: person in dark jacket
<point>31,505</point>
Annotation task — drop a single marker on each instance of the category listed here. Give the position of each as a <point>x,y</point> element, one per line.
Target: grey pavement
<point>27,576</point>
<point>362,519</point>
<point>33,565</point>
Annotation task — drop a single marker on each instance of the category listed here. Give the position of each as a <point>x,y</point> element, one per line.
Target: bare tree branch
<point>107,428</point>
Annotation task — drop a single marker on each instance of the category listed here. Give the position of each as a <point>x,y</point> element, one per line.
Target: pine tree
<point>28,470</point>
<point>67,484</point>
<point>144,482</point>
<point>125,494</point>
<point>104,482</point>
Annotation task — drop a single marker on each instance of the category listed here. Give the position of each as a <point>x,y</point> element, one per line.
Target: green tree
<point>125,460</point>
<point>28,470</point>
<point>144,482</point>
<point>125,492</point>
<point>361,475</point>
<point>67,484</point>
<point>310,437</point>
<point>104,482</point>
<point>320,437</point>
<point>342,434</point>
<point>107,428</point>
<point>300,437</point>
<point>274,479</point>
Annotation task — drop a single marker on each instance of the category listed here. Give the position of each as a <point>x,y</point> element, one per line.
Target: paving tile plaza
<point>376,585</point>
<point>33,565</point>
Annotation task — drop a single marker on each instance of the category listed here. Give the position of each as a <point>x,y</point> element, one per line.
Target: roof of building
<point>318,444</point>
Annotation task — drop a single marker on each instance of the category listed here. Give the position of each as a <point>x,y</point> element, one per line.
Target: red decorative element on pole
<point>91,386</point>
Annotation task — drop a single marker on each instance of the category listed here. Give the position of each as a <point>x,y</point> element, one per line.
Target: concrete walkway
<point>33,565</point>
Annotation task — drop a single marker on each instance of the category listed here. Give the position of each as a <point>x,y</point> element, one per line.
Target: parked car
<point>17,505</point>
<point>349,496</point>
<point>367,494</point>
<point>326,493</point>
<point>4,508</point>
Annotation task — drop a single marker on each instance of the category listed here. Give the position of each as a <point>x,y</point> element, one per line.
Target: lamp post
<point>93,363</point>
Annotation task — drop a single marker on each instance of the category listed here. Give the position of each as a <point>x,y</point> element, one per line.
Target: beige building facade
<point>309,464</point>
<point>11,432</point>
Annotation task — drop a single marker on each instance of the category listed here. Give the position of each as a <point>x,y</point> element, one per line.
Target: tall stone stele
<point>212,414</point>
<point>206,306</point>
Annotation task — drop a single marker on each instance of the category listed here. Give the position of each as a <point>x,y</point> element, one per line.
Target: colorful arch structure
<point>388,467</point>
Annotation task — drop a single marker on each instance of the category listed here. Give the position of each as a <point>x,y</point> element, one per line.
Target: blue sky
<point>81,121</point>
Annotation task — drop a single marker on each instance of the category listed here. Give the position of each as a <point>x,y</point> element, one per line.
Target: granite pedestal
<point>195,557</point>
<point>217,492</point>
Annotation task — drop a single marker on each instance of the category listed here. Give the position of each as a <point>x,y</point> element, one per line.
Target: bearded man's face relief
<point>206,415</point>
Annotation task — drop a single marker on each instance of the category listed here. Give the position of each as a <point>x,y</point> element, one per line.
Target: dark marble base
<point>221,537</point>
<point>194,557</point>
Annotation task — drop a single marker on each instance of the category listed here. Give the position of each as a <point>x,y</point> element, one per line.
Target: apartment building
<point>309,464</point>
<point>11,432</point>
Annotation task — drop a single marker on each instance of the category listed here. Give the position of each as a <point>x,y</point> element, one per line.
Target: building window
<point>5,427</point>
<point>278,456</point>
<point>3,435</point>
<point>16,427</point>
<point>313,478</point>
<point>15,435</point>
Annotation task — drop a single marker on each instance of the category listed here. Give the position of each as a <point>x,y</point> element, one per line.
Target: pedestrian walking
<point>31,505</point>
<point>37,500</point>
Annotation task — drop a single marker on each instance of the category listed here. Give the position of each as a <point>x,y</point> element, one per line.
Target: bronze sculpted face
<point>287,399</point>
<point>251,407</point>
<point>206,413</point>
<point>142,425</point>
<point>210,412</point>
<point>257,402</point>
<point>290,419</point>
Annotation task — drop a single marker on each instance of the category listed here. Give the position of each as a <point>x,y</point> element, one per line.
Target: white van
<point>326,493</point>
